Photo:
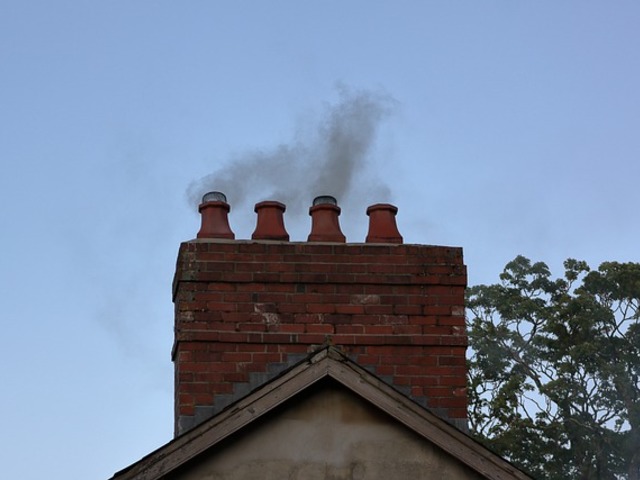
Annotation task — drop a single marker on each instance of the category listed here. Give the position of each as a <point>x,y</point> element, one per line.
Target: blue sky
<point>514,130</point>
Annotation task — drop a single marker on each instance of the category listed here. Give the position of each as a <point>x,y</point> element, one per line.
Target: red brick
<point>230,337</point>
<point>312,278</point>
<point>226,367</point>
<point>437,310</point>
<point>447,402</point>
<point>402,380</point>
<point>451,360</point>
<point>394,319</point>
<point>221,326</point>
<point>424,320</point>
<point>319,328</point>
<point>293,308</point>
<point>346,339</point>
<point>457,412</point>
<point>310,318</point>
<point>291,327</point>
<point>321,308</point>
<point>235,316</point>
<point>279,267</point>
<point>350,289</point>
<point>378,309</point>
<point>378,329</point>
<point>252,347</point>
<point>274,298</point>
<point>247,287</point>
<point>277,337</point>
<point>187,409</point>
<point>250,327</point>
<point>369,359</point>
<point>407,309</point>
<point>453,380</point>
<point>312,339</point>
<point>323,288</point>
<point>393,360</point>
<point>356,329</point>
<point>454,321</point>
<point>384,370</point>
<point>350,309</point>
<point>436,391</point>
<point>426,382</point>
<point>414,370</point>
<point>406,329</point>
<point>297,348</point>
<point>365,320</point>
<point>425,360</point>
<point>236,357</point>
<point>266,357</point>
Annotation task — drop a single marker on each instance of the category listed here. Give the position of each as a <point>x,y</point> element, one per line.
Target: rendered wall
<point>328,434</point>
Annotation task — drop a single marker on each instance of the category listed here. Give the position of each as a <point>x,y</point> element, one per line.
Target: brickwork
<point>246,310</point>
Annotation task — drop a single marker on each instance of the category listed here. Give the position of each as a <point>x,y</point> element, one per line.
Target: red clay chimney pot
<point>214,211</point>
<point>382,224</point>
<point>270,222</point>
<point>325,226</point>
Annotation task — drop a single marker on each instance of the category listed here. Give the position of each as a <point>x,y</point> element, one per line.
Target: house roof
<point>330,363</point>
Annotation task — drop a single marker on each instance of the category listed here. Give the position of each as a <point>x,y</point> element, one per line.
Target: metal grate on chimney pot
<point>325,200</point>
<point>214,197</point>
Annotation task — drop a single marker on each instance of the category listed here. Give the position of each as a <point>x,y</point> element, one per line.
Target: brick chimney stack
<point>245,310</point>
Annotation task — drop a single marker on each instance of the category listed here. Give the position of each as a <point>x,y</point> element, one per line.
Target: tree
<point>554,369</point>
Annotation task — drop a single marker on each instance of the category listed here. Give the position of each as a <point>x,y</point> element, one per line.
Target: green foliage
<point>554,370</point>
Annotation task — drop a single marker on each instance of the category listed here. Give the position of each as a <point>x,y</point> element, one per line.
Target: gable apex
<point>328,362</point>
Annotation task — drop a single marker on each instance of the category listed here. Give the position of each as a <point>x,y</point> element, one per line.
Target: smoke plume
<point>328,156</point>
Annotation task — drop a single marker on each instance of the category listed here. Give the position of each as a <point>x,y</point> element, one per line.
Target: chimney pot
<point>214,211</point>
<point>270,222</point>
<point>325,226</point>
<point>382,224</point>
